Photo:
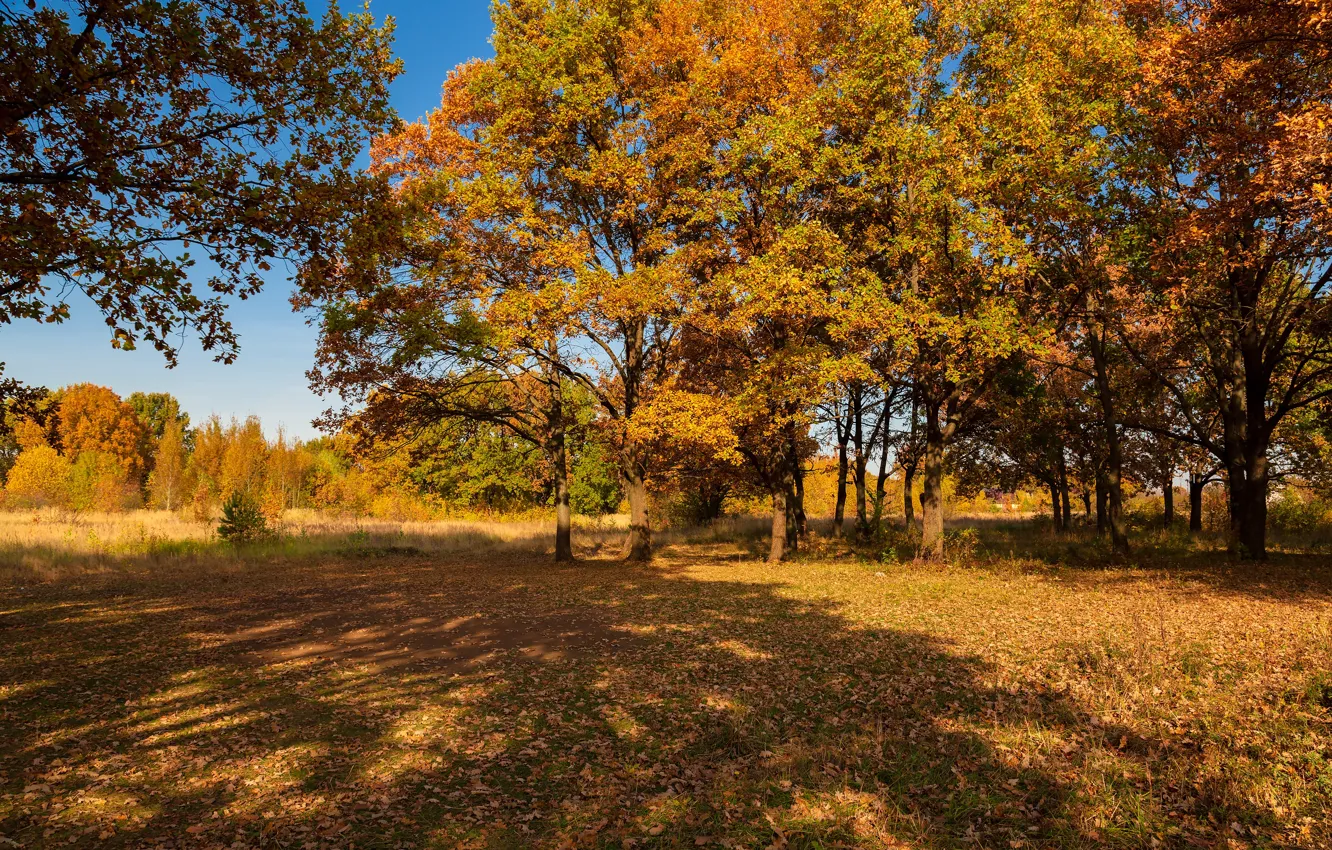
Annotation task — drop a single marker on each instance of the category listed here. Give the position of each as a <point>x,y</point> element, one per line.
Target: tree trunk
<point>563,525</point>
<point>777,546</point>
<point>1114,468</point>
<point>1063,493</point>
<point>881,480</point>
<point>638,545</point>
<point>1248,508</point>
<point>798,507</point>
<point>1168,494</point>
<point>1196,487</point>
<point>839,513</point>
<point>1086,506</point>
<point>931,500</point>
<point>1101,499</point>
<point>558,452</point>
<point>858,463</point>
<point>908,497</point>
<point>1056,510</point>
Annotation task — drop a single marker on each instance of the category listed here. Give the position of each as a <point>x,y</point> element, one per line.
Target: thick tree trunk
<point>862,497</point>
<point>1101,499</point>
<point>777,546</point>
<point>558,453</point>
<point>931,500</point>
<point>638,545</point>
<point>1248,488</point>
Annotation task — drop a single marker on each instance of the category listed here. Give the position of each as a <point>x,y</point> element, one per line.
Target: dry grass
<point>388,697</point>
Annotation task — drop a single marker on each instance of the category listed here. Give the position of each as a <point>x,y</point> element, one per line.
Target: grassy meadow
<point>443,685</point>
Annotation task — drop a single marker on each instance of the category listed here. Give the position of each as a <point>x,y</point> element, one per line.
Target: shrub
<point>99,482</point>
<point>242,519</point>
<point>39,478</point>
<point>1299,510</point>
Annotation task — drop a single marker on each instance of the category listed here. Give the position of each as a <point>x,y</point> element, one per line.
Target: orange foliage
<point>95,419</point>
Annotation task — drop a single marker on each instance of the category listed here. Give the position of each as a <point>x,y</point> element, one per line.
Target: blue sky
<point>268,379</point>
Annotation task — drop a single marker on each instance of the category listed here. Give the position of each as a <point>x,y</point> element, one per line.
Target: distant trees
<point>70,452</point>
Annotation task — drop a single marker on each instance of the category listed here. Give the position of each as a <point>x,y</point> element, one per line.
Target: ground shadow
<point>411,701</point>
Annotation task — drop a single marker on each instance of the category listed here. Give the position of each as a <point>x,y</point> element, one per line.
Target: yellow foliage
<point>40,478</point>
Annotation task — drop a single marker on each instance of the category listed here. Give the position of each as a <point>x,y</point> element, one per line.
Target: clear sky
<point>268,378</point>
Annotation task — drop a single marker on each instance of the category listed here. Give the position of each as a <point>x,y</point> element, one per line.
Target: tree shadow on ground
<point>408,702</point>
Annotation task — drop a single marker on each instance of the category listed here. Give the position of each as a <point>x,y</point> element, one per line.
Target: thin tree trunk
<point>839,513</point>
<point>1114,469</point>
<point>858,464</point>
<point>1056,512</point>
<point>1086,506</point>
<point>881,480</point>
<point>1196,487</point>
<point>563,524</point>
<point>931,500</point>
<point>1067,519</point>
<point>908,497</point>
<point>1168,495</point>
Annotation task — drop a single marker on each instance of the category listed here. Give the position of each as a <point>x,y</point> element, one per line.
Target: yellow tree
<point>935,171</point>
<point>166,481</point>
<point>738,104</point>
<point>540,199</point>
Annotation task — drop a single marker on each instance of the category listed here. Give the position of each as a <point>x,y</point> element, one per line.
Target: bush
<point>242,519</point>
<point>39,478</point>
<point>99,482</point>
<point>1299,510</point>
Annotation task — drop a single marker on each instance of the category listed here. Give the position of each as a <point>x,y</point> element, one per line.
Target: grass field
<point>414,688</point>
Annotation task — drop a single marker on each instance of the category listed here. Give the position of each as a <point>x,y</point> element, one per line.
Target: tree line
<point>1068,241</point>
<point>1072,242</point>
<point>84,448</point>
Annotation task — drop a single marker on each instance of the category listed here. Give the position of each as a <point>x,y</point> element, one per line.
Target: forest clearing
<point>374,693</point>
<point>590,424</point>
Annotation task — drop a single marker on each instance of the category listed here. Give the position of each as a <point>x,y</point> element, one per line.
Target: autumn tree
<point>244,458</point>
<point>546,163</point>
<point>167,480</point>
<point>40,477</point>
<point>95,419</point>
<point>940,184</point>
<point>158,412</point>
<point>1232,151</point>
<point>139,137</point>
